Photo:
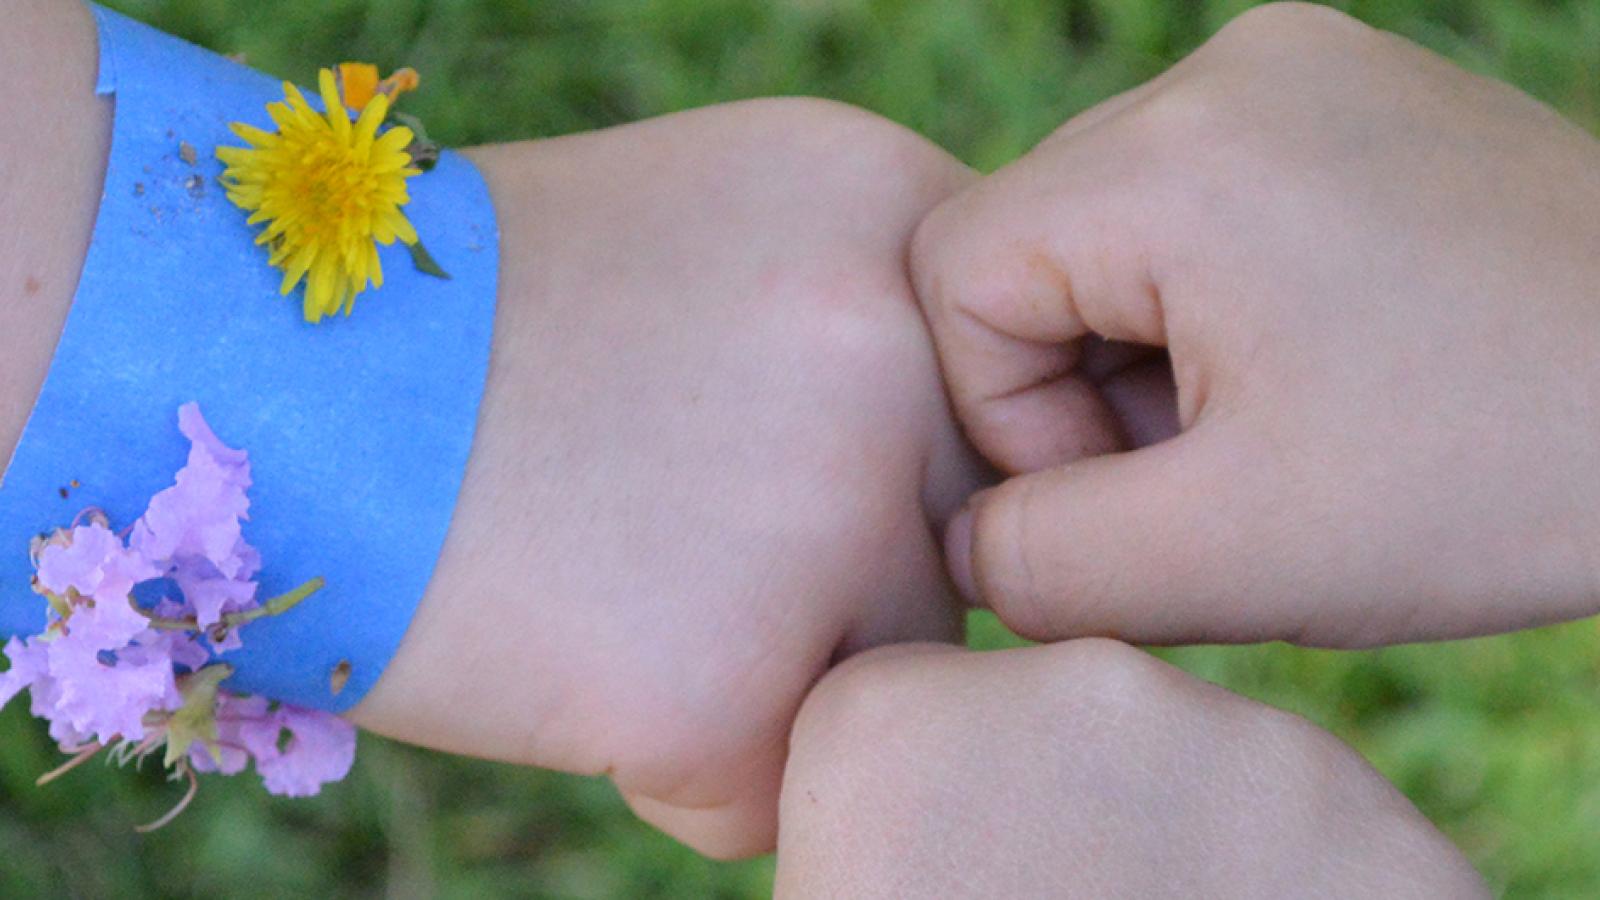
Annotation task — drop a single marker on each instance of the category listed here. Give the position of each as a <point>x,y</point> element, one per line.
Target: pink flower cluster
<point>107,672</point>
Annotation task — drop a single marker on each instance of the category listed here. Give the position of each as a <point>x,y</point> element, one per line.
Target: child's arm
<point>712,440</point>
<point>711,453</point>
<point>53,146</point>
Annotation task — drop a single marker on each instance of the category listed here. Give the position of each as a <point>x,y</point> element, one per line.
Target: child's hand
<point>1084,769</point>
<point>1379,281</point>
<point>713,444</point>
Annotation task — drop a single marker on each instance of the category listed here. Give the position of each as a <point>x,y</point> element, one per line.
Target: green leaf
<point>424,261</point>
<point>60,604</point>
<point>196,720</point>
<point>423,149</point>
<point>411,122</point>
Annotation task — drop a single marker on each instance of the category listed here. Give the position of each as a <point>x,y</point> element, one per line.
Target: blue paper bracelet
<point>358,430</point>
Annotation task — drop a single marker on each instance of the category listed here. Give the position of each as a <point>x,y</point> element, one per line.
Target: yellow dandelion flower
<point>329,190</point>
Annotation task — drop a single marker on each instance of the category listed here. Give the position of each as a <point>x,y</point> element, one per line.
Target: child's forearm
<point>710,454</point>
<point>53,144</point>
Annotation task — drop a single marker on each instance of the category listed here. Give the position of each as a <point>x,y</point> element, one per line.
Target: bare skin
<point>713,454</point>
<point>1375,275</point>
<point>1084,769</point>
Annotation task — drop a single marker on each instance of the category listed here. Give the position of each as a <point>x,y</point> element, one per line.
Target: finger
<point>1144,400</point>
<point>1136,384</point>
<point>1016,269</point>
<point>1058,421</point>
<point>1100,359</point>
<point>1171,543</point>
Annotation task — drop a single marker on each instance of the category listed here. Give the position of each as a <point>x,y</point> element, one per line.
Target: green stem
<point>277,606</point>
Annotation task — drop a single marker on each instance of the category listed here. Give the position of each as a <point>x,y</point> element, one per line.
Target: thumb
<point>1171,543</point>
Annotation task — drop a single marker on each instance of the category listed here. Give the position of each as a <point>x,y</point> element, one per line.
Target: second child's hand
<point>1376,278</point>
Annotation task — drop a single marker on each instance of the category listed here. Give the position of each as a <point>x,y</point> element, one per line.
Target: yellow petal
<point>371,118</point>
<point>297,268</point>
<point>282,115</point>
<point>395,140</point>
<point>297,102</point>
<point>254,135</point>
<point>404,230</point>
<point>337,117</point>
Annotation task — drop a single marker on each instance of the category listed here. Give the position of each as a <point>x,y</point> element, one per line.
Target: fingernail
<point>958,554</point>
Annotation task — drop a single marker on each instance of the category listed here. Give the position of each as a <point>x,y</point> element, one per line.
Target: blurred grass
<point>1496,740</point>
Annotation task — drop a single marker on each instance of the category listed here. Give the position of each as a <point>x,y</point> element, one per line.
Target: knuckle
<point>1181,112</point>
<point>975,253</point>
<point>957,278</point>
<point>852,757</point>
<point>1109,700</point>
<point>1201,137</point>
<point>1304,739</point>
<point>926,254</point>
<point>1274,23</point>
<point>1222,112</point>
<point>1111,675</point>
<point>1196,135</point>
<point>854,710</point>
<point>1287,746</point>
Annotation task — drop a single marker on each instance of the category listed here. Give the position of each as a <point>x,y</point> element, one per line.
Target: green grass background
<point>1496,740</point>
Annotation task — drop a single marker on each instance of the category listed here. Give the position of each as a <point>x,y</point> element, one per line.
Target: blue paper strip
<point>358,429</point>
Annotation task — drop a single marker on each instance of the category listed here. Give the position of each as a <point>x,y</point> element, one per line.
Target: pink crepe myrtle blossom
<point>108,673</point>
